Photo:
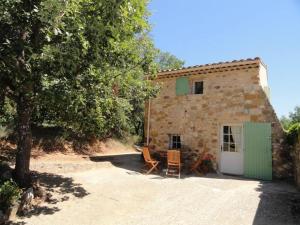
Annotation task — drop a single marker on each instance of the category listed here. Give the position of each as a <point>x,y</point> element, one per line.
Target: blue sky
<point>201,32</point>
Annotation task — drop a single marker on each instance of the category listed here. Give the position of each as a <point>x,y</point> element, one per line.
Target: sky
<point>201,32</point>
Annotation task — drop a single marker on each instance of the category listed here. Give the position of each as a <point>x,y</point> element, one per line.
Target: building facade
<point>206,108</point>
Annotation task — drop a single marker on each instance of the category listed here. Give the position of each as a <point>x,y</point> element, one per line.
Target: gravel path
<point>112,191</point>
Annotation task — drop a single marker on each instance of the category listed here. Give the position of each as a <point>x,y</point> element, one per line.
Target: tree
<point>167,61</point>
<point>293,118</point>
<point>72,63</point>
<point>25,26</point>
<point>285,121</point>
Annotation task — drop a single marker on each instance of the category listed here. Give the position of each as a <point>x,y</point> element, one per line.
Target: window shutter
<point>182,86</point>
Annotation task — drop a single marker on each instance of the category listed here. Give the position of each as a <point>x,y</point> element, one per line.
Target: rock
<point>27,196</point>
<point>11,214</point>
<point>26,201</point>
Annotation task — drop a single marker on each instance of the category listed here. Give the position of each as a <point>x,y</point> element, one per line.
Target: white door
<point>232,157</point>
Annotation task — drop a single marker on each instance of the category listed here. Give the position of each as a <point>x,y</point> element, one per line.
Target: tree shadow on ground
<point>60,184</point>
<point>135,163</point>
<point>60,189</point>
<point>279,204</point>
<point>16,223</point>
<point>132,161</point>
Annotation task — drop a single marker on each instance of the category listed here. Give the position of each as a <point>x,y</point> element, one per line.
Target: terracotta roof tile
<point>212,64</point>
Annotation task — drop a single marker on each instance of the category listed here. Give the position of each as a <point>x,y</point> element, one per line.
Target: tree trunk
<point>24,110</point>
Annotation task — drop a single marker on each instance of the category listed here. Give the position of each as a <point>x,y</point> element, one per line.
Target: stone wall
<point>230,97</point>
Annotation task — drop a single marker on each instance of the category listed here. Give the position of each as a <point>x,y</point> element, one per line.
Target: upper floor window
<point>184,86</point>
<point>198,87</point>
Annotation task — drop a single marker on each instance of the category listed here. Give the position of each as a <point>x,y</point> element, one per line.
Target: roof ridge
<point>211,64</point>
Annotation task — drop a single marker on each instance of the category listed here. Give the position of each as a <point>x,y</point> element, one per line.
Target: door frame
<point>221,132</point>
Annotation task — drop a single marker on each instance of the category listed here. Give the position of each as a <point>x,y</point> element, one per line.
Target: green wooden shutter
<point>182,86</point>
<point>258,150</point>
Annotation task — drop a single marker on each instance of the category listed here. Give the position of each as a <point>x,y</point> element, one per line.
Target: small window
<point>198,87</point>
<point>175,141</point>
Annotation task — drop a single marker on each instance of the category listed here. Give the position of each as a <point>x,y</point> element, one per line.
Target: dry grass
<point>54,147</point>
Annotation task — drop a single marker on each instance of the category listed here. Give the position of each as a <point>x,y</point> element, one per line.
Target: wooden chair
<point>174,165</point>
<point>149,162</point>
<point>197,163</point>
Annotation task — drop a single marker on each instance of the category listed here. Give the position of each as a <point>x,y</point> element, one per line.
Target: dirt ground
<point>110,190</point>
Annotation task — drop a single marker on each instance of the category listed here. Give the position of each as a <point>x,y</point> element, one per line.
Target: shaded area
<point>16,223</point>
<point>279,204</point>
<point>132,161</point>
<point>60,186</point>
<point>135,163</point>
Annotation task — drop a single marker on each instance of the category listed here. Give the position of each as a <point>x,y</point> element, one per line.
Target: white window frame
<point>229,140</point>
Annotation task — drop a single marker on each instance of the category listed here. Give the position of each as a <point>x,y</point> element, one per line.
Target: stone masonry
<point>234,92</point>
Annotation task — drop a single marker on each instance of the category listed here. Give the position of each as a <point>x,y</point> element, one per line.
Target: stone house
<point>223,109</point>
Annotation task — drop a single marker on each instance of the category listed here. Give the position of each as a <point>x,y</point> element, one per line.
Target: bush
<point>293,133</point>
<point>9,192</point>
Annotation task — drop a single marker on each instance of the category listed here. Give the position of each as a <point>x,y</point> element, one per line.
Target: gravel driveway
<point>113,191</point>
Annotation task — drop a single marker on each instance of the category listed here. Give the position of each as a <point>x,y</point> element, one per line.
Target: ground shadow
<point>62,185</point>
<point>134,162</point>
<point>279,204</point>
<point>16,223</point>
<point>279,200</point>
<point>131,161</point>
<point>58,188</point>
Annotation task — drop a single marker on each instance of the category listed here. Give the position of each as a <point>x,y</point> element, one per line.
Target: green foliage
<point>7,113</point>
<point>294,117</point>
<point>9,192</point>
<point>82,63</point>
<point>108,52</point>
<point>167,61</point>
<point>285,122</point>
<point>291,124</point>
<point>293,133</point>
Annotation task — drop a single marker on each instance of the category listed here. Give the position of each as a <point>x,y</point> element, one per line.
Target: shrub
<point>9,192</point>
<point>293,133</point>
<point>207,163</point>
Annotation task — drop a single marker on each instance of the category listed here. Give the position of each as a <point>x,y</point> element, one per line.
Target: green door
<point>258,151</point>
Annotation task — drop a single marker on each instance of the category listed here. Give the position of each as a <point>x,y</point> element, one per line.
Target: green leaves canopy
<point>167,61</point>
<point>85,59</point>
